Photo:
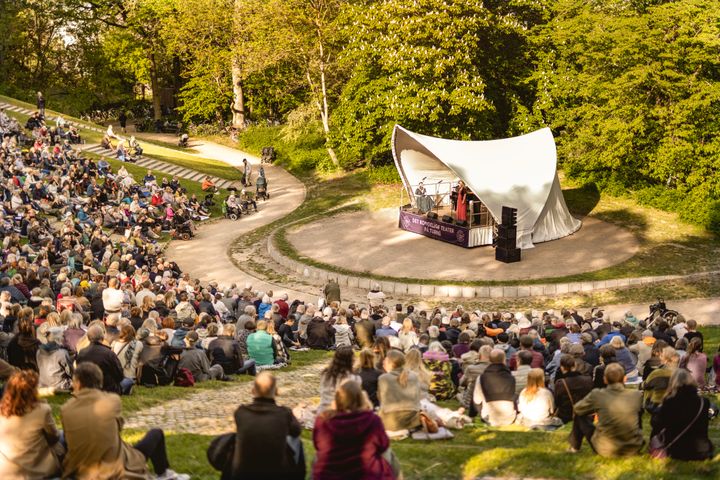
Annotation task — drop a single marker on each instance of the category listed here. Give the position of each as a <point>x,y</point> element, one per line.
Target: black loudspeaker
<point>509,243</point>
<point>447,219</point>
<point>504,231</point>
<point>509,216</point>
<point>507,255</point>
<point>432,215</point>
<point>462,223</point>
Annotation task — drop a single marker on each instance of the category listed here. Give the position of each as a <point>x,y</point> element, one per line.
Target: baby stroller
<point>183,231</point>
<point>261,188</point>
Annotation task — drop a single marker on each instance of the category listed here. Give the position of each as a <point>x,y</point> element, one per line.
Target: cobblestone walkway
<point>210,412</point>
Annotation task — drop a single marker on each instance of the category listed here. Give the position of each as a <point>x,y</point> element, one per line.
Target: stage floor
<point>371,242</point>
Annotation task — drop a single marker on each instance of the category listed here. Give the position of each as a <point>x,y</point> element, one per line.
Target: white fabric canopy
<point>518,172</point>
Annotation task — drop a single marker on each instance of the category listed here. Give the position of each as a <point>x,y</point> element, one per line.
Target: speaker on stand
<point>505,241</point>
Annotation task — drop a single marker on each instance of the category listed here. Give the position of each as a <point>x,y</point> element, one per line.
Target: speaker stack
<point>506,239</point>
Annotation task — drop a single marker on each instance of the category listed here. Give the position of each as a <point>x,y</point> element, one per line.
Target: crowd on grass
<point>89,305</point>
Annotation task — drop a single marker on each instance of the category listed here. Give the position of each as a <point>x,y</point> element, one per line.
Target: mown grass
<point>475,451</point>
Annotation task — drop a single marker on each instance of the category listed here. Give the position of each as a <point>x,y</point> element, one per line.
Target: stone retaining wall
<point>460,291</point>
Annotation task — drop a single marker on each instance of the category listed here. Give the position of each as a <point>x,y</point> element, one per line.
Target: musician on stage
<point>461,201</point>
<point>423,201</point>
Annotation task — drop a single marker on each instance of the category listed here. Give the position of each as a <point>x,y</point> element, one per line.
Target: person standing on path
<point>41,103</point>
<point>332,292</point>
<point>122,118</point>
<point>247,173</point>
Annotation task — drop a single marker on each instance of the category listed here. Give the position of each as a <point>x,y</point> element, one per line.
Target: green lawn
<point>475,451</point>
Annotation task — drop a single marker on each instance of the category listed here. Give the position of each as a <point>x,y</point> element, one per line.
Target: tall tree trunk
<point>238,105</point>
<point>155,86</point>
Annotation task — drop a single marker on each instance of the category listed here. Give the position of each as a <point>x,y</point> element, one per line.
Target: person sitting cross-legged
<point>194,359</point>
<point>267,439</point>
<point>92,421</point>
<point>618,431</point>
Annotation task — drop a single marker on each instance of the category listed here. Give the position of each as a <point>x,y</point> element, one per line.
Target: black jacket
<point>578,385</point>
<point>497,383</point>
<point>320,334</point>
<point>675,415</point>
<point>261,449</point>
<point>103,357</point>
<point>225,351</point>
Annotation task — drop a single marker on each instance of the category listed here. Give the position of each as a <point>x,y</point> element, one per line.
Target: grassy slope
<point>158,150</point>
<point>475,451</point>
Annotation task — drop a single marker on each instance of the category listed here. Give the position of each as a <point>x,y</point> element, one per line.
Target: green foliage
<point>633,88</point>
<point>445,68</point>
<point>383,175</point>
<point>299,148</point>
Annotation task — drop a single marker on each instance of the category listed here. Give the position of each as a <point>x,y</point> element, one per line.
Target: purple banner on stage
<point>434,229</point>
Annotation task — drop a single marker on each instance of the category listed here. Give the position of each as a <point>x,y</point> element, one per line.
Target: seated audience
<point>92,421</point>
<point>536,405</point>
<point>350,440</point>
<point>618,431</point>
<point>340,370</point>
<point>494,394</point>
<point>684,418</point>
<point>267,440</point>
<point>368,374</point>
<point>196,361</point>
<point>571,388</point>
<point>100,354</point>
<point>399,395</point>
<point>30,445</point>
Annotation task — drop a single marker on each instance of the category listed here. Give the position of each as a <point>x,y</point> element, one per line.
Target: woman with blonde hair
<point>343,333</point>
<point>28,431</point>
<point>536,403</point>
<point>282,355</point>
<point>414,363</point>
<point>408,337</point>
<point>52,320</point>
<point>399,394</point>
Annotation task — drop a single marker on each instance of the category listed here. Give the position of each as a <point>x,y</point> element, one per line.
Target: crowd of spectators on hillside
<point>89,304</point>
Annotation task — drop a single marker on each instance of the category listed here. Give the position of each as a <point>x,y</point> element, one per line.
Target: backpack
<point>184,378</point>
<point>153,375</point>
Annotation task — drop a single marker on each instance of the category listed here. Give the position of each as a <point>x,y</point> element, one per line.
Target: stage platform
<point>371,242</point>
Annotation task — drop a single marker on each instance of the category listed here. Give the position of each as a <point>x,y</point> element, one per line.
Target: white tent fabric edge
<point>519,172</point>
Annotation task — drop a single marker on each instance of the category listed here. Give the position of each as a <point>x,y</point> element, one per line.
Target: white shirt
<point>112,299</point>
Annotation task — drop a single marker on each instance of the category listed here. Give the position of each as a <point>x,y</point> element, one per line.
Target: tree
<point>634,91</point>
<point>447,68</point>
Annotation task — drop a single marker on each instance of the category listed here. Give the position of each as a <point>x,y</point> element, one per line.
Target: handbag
<point>659,446</point>
<point>220,452</point>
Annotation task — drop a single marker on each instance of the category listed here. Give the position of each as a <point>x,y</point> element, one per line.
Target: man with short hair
<point>197,362</point>
<point>92,421</point>
<point>112,297</point>
<point>526,344</point>
<point>267,444</point>
<point>100,354</point>
<point>524,359</point>
<point>618,431</point>
<point>494,393</point>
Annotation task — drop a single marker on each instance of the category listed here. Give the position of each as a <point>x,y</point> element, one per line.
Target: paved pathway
<point>210,412</point>
<point>705,311</point>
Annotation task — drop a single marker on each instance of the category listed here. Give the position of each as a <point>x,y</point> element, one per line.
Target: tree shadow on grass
<point>582,200</point>
<point>543,455</point>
